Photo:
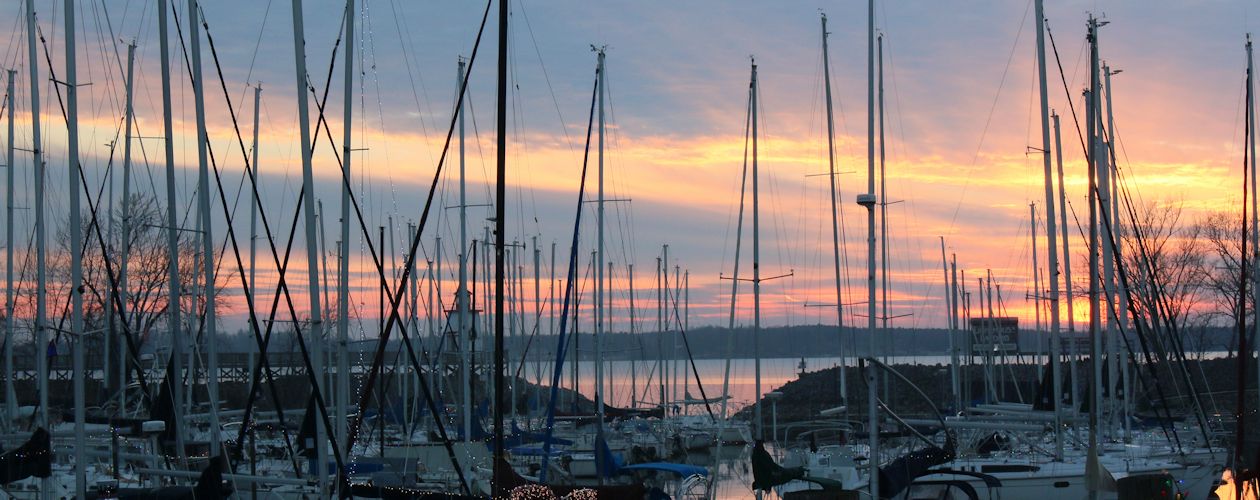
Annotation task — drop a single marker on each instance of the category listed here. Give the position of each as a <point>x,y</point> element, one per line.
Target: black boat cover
<point>512,481</point>
<point>897,475</point>
<point>368,490</point>
<point>210,486</point>
<point>768,474</point>
<point>33,458</point>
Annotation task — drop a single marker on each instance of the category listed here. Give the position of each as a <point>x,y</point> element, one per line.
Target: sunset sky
<point>961,113</point>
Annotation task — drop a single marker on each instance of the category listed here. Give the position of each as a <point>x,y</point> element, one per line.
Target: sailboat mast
<point>660,340</point>
<point>551,291</point>
<point>394,271</point>
<point>1067,275</point>
<point>1112,344</point>
<point>1240,414</point>
<point>955,327</point>
<point>989,290</point>
<point>342,400</point>
<point>965,319</point>
<point>10,397</point>
<point>499,226</point>
<point>634,362</point>
<point>538,305</point>
<point>607,386</point>
<point>949,313</point>
<point>633,382</point>
<point>41,232</point>
<point>679,371</point>
<point>1118,294</point>
<point>756,263</point>
<point>599,259</point>
<point>380,315</point>
<point>414,321</point>
<point>1095,345</point>
<point>322,244</point>
<point>522,316</point>
<point>883,198</point>
<point>76,255</point>
<point>1255,217</point>
<point>207,237</point>
<point>1036,275</point>
<point>129,117</point>
<point>1052,252</point>
<point>509,275</point>
<point>676,371</point>
<point>432,314</point>
<point>868,200</point>
<point>173,284</point>
<point>315,332</point>
<point>255,203</point>
<point>686,321</point>
<point>835,214</point>
<point>487,281</point>
<point>461,295</point>
<point>667,369</point>
<point>739,238</point>
<point>986,299</point>
<point>551,304</point>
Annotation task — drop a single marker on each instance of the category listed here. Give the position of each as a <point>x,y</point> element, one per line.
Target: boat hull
<point>1194,481</point>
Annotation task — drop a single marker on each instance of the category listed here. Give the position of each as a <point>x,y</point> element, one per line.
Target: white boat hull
<point>1064,481</point>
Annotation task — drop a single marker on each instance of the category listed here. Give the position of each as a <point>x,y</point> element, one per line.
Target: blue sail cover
<point>682,470</point>
<point>569,285</point>
<point>607,464</point>
<point>528,451</point>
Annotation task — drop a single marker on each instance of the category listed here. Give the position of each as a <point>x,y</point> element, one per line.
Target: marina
<point>513,250</point>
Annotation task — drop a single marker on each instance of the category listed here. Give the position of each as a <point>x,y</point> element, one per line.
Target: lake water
<point>624,375</point>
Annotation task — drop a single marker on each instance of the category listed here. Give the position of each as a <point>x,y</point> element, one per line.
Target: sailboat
<point>845,466</point>
<point>833,468</point>
<point>1101,470</point>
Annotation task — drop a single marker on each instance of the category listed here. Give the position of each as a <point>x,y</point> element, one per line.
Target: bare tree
<point>1223,234</point>
<point>1164,259</point>
<point>145,301</point>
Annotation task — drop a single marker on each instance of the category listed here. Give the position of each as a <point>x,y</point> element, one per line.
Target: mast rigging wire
<point>570,283</point>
